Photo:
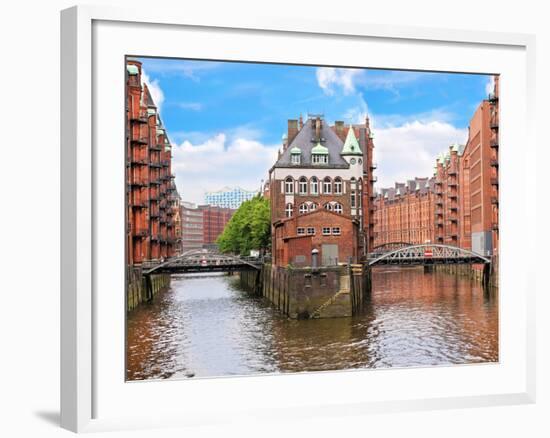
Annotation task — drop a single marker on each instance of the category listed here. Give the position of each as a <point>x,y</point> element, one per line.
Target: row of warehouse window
<point>310,231</point>
<point>328,185</point>
<point>307,207</point>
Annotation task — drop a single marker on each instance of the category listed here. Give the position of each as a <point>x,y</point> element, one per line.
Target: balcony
<point>439,183</point>
<point>155,182</point>
<point>494,142</point>
<point>494,226</point>
<point>373,178</point>
<point>155,164</point>
<point>141,140</point>
<point>439,202</point>
<point>494,181</point>
<point>494,124</point>
<point>373,166</point>
<point>170,212</point>
<point>493,162</point>
<point>494,200</point>
<point>453,220</point>
<point>141,232</point>
<point>452,172</point>
<point>139,161</point>
<point>172,176</point>
<point>138,119</point>
<point>452,184</point>
<point>493,98</point>
<point>439,223</point>
<point>452,195</point>
<point>165,163</point>
<point>138,183</point>
<point>439,212</point>
<point>155,147</point>
<point>139,204</point>
<point>453,208</point>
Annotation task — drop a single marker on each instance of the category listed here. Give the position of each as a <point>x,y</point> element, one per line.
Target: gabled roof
<point>306,141</point>
<point>148,99</point>
<point>351,145</point>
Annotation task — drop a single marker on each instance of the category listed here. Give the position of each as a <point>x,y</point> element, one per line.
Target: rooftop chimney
<point>339,128</point>
<point>292,130</point>
<point>318,129</point>
<point>301,122</point>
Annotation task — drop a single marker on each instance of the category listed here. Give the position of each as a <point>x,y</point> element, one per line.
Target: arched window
<point>337,185</point>
<point>353,199</point>
<point>338,208</point>
<point>313,206</point>
<point>289,210</point>
<point>303,186</point>
<point>303,208</point>
<point>328,206</point>
<point>289,185</point>
<point>313,186</point>
<point>327,185</point>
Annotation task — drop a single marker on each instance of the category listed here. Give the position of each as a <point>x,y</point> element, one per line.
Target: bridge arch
<point>389,246</point>
<point>429,253</point>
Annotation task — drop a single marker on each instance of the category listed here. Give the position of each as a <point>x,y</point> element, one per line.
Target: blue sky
<point>226,119</point>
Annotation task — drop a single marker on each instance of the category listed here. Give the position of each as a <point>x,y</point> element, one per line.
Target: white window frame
<point>289,184</point>
<point>326,231</point>
<point>289,210</point>
<point>295,158</point>
<point>336,231</point>
<point>314,186</point>
<point>300,231</point>
<point>310,231</point>
<point>338,186</point>
<point>327,184</point>
<point>302,184</point>
<point>337,208</point>
<point>303,209</point>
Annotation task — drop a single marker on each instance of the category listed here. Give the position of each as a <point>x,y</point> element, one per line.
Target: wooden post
<point>486,276</point>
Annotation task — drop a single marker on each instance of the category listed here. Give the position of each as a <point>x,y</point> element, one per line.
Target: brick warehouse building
<point>464,190</point>
<point>320,190</point>
<point>202,225</point>
<point>152,198</point>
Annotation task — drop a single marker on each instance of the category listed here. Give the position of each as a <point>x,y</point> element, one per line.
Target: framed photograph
<point>260,215</point>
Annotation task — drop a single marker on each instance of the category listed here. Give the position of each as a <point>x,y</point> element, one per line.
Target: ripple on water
<point>206,326</point>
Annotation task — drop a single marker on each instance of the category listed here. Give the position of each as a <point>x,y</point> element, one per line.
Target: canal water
<point>206,326</point>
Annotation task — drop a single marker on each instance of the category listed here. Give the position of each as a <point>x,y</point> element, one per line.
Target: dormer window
<point>319,154</point>
<point>295,155</point>
<point>319,159</point>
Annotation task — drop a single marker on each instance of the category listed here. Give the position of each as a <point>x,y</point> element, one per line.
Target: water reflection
<point>206,326</point>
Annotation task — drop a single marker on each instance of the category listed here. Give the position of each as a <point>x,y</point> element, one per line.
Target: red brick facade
<point>323,175</point>
<point>152,198</point>
<point>460,203</point>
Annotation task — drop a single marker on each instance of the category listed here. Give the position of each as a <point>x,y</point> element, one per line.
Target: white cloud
<point>154,88</point>
<point>330,78</point>
<point>406,151</point>
<point>218,162</point>
<point>490,86</point>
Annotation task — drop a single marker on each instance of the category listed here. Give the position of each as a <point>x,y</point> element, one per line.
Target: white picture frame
<point>86,361</point>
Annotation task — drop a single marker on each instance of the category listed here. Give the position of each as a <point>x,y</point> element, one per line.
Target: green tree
<point>249,228</point>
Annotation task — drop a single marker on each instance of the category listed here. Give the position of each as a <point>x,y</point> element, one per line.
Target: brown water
<point>205,326</point>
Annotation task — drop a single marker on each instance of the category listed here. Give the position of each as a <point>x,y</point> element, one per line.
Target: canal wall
<point>302,293</point>
<point>137,290</point>
<point>475,272</point>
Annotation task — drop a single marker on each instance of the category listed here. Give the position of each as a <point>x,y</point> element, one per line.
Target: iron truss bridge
<point>426,254</point>
<point>201,261</point>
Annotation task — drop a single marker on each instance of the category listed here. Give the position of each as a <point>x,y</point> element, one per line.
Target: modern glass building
<point>228,197</point>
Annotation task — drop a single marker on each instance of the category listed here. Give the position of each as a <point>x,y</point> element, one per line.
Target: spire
<point>351,145</point>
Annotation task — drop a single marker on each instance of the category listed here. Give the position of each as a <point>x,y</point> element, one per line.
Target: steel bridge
<point>426,254</point>
<point>205,261</point>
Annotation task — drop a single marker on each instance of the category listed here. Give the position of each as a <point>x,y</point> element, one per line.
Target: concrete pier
<point>141,289</point>
<point>302,293</point>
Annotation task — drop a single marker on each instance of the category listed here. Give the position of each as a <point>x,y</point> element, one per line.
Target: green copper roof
<point>160,131</point>
<point>455,147</point>
<point>151,111</point>
<point>447,156</point>
<point>132,69</point>
<point>351,145</point>
<point>441,158</point>
<point>319,150</point>
<point>295,150</point>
